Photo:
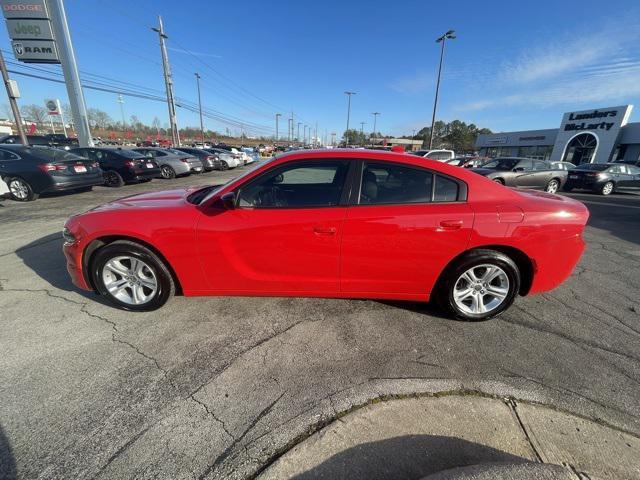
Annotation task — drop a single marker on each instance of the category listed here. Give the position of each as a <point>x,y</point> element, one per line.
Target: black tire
<point>167,172</point>
<point>112,179</point>
<point>83,189</point>
<point>165,284</point>
<point>224,165</point>
<point>444,291</point>
<point>20,190</point>
<point>607,188</point>
<point>553,186</point>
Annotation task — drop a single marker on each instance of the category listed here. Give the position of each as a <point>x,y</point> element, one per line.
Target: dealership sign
<point>30,30</point>
<point>53,106</point>
<point>604,124</point>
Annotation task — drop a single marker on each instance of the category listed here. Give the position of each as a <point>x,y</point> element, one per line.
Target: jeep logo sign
<point>30,29</point>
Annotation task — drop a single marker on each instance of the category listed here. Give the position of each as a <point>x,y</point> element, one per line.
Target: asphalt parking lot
<point>219,387</point>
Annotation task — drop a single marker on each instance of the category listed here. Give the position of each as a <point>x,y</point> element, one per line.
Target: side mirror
<point>228,200</point>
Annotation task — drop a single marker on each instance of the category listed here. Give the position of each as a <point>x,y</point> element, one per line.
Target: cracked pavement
<point>219,387</point>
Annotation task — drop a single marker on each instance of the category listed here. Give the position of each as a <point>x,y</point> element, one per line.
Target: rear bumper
<point>60,183</point>
<point>143,174</point>
<point>584,184</point>
<point>555,261</point>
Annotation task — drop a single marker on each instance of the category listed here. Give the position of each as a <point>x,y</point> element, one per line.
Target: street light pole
<point>298,136</point>
<point>346,140</point>
<point>362,124</point>
<point>200,108</point>
<point>124,127</point>
<point>450,35</point>
<point>278,115</point>
<point>168,80</point>
<point>375,119</point>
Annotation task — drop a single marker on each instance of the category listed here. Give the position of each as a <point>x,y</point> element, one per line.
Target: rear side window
<point>388,183</point>
<point>446,190</point>
<point>540,165</point>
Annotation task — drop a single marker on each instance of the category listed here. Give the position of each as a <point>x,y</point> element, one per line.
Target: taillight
<point>129,163</point>
<point>95,165</point>
<point>50,167</point>
<point>184,160</point>
<point>211,158</point>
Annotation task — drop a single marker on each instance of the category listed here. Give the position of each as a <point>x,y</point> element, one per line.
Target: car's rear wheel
<point>131,276</point>
<point>553,186</point>
<point>480,285</point>
<point>167,172</point>
<point>113,179</point>
<point>607,188</point>
<point>20,190</point>
<point>224,165</point>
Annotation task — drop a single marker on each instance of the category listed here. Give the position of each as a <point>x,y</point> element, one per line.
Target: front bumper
<point>73,254</point>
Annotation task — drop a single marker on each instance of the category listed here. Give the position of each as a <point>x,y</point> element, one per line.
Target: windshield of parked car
<point>51,154</point>
<point>175,152</point>
<point>599,167</point>
<point>502,163</point>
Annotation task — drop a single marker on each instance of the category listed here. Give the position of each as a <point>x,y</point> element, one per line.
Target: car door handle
<point>451,224</point>
<point>324,230</point>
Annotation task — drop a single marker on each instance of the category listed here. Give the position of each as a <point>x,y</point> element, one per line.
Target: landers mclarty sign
<point>589,116</point>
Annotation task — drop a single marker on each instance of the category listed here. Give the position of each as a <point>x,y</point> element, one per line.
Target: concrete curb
<point>419,437</point>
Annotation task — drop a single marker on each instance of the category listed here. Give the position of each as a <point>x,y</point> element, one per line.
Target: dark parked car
<point>61,140</point>
<point>604,178</point>
<point>121,165</point>
<point>209,161</point>
<point>475,162</point>
<point>32,139</point>
<point>524,172</point>
<point>30,171</point>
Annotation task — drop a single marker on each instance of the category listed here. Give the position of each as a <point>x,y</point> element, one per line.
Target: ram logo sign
<point>36,51</point>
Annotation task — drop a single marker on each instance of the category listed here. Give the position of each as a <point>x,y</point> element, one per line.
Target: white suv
<point>440,155</point>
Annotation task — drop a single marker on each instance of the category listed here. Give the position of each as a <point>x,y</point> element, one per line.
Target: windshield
<point>248,172</point>
<point>598,167</point>
<point>174,151</point>
<point>502,163</point>
<point>48,153</point>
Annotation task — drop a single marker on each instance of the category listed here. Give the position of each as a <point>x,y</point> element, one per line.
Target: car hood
<point>161,199</point>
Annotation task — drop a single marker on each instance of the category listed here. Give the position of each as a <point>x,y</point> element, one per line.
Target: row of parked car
<point>602,178</point>
<point>28,171</point>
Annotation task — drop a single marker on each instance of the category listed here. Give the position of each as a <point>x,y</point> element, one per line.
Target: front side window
<point>537,165</point>
<point>525,165</point>
<point>297,185</point>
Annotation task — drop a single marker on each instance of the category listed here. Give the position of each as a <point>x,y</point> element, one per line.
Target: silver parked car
<point>226,158</point>
<point>173,163</point>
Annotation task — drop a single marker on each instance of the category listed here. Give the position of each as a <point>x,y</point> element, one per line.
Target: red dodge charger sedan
<point>332,223</point>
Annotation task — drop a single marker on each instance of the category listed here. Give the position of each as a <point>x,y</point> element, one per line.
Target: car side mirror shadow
<point>228,200</point>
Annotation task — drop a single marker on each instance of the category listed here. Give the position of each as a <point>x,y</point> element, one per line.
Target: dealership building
<point>591,136</point>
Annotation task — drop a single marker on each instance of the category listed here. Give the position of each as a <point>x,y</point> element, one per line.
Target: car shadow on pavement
<point>407,457</point>
<point>8,468</point>
<point>44,256</point>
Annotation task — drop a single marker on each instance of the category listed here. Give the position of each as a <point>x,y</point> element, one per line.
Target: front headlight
<point>68,236</point>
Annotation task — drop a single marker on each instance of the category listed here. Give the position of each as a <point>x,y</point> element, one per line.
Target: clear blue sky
<point>513,66</point>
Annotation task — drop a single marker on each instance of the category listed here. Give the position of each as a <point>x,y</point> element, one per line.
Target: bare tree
<point>6,112</point>
<point>34,113</point>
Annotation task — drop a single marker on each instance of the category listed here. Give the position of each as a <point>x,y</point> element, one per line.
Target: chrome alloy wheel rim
<point>19,189</point>
<point>129,280</point>
<point>552,187</point>
<point>481,289</point>
<point>608,188</point>
<point>166,171</point>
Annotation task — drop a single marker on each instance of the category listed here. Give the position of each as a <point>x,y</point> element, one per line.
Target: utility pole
<point>346,140</point>
<point>375,118</point>
<point>333,139</point>
<point>200,108</point>
<point>70,69</point>
<point>304,139</point>
<point>298,136</point>
<point>124,126</point>
<point>362,124</point>
<point>315,140</point>
<point>278,115</point>
<point>12,93</point>
<point>168,81</point>
<point>450,35</point>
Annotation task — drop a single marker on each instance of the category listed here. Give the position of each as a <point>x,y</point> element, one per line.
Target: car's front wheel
<point>224,165</point>
<point>479,285</point>
<point>20,190</point>
<point>131,276</point>
<point>167,172</point>
<point>113,179</point>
